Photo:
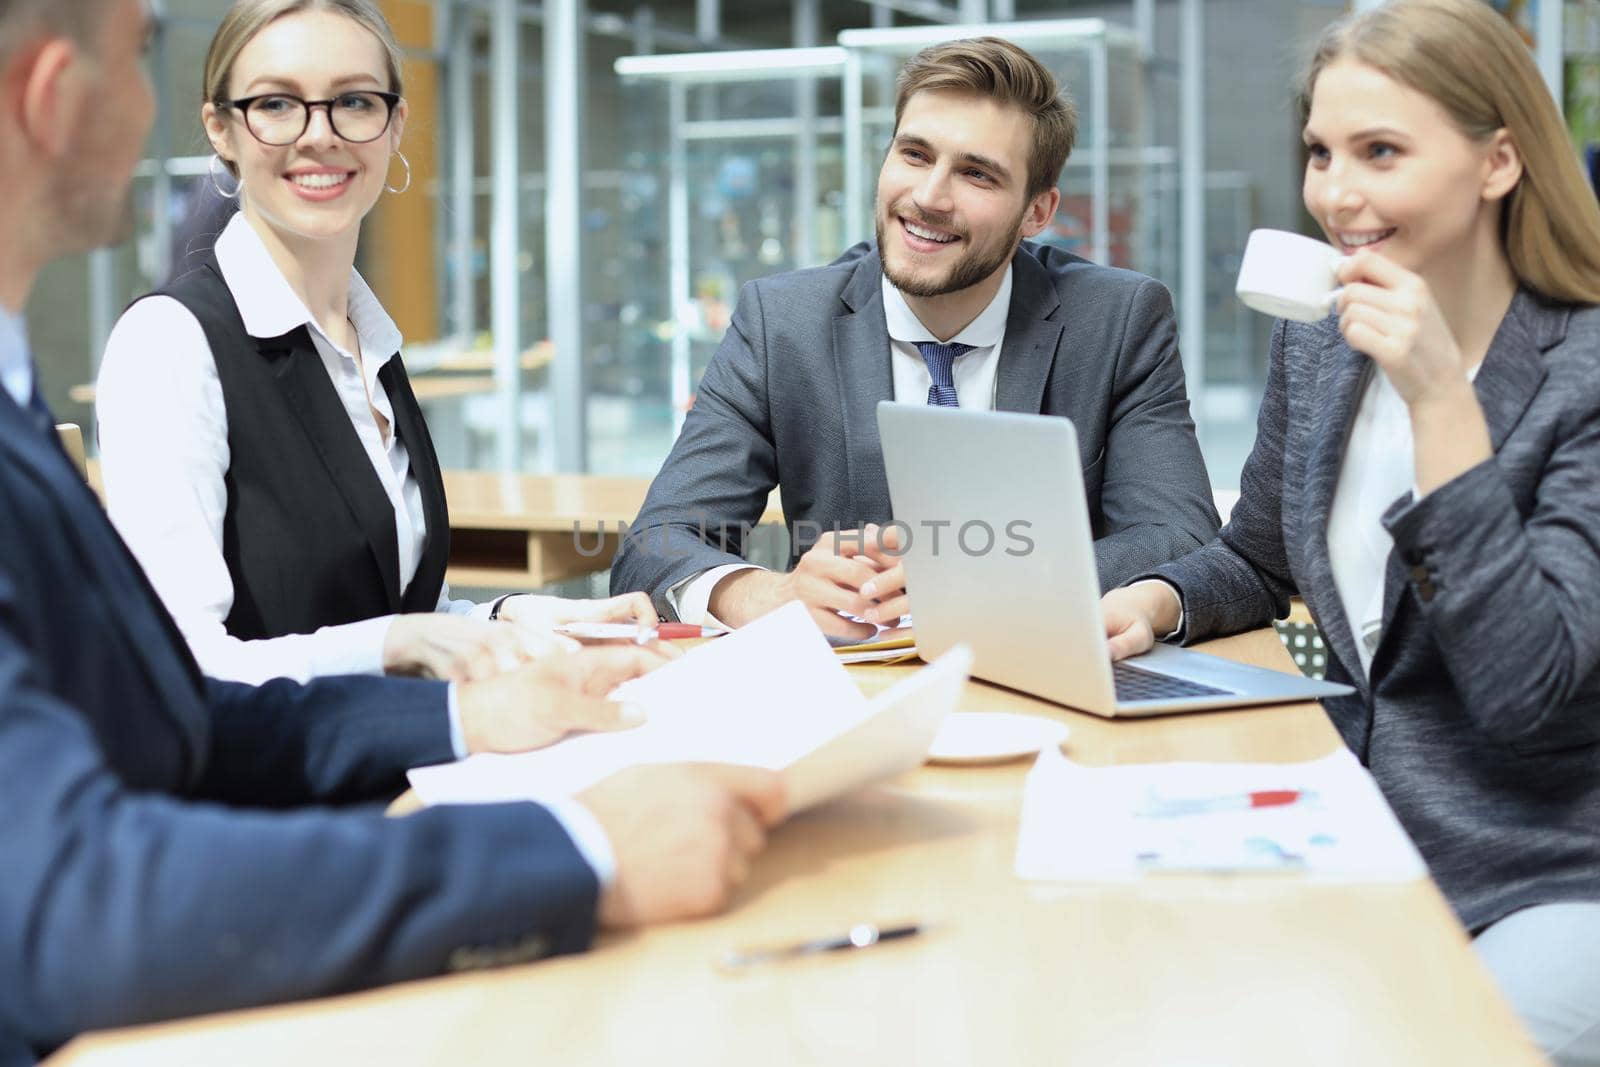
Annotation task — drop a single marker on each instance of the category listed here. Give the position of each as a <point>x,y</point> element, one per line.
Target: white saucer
<point>993,737</point>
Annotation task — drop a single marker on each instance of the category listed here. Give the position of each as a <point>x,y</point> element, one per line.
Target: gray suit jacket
<point>1482,718</point>
<point>790,398</point>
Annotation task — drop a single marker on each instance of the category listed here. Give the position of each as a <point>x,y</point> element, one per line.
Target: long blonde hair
<point>1467,57</point>
<point>247,18</point>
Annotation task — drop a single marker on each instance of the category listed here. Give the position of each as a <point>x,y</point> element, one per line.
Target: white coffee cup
<point>1288,276</point>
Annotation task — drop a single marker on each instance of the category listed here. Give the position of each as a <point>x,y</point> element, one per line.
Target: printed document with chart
<point>1324,819</point>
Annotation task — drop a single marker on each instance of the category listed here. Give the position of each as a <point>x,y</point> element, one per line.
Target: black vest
<point>309,533</point>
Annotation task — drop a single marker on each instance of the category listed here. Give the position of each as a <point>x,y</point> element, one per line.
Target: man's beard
<point>973,266</point>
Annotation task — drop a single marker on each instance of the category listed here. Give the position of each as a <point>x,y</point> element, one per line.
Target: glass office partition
<point>1225,403</point>
<point>736,174</point>
<point>1581,81</point>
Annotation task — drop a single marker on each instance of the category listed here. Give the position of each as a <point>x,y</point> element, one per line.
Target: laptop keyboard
<point>1135,683</point>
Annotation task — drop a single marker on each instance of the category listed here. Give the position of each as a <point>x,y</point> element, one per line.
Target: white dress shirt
<point>16,366</point>
<point>974,373</point>
<point>164,455</point>
<point>1379,467</point>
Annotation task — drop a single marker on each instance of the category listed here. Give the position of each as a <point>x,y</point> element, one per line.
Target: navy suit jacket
<point>174,845</point>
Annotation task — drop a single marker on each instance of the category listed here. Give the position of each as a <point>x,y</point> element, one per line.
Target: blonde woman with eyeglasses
<point>264,454</point>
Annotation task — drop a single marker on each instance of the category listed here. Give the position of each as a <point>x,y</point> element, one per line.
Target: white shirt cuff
<point>451,606</point>
<point>589,837</point>
<point>690,599</point>
<point>1178,629</point>
<point>458,736</point>
<point>358,648</point>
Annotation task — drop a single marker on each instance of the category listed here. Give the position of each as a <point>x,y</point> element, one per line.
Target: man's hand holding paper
<point>683,836</point>
<point>770,695</point>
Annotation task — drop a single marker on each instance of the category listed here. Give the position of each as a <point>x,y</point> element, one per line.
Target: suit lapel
<point>1341,376</point>
<point>411,430</point>
<point>861,362</point>
<point>139,614</point>
<point>1030,346</point>
<point>865,376</point>
<point>310,393</point>
<point>1513,370</point>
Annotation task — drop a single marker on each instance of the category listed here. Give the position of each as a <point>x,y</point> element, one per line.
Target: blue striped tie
<point>941,361</point>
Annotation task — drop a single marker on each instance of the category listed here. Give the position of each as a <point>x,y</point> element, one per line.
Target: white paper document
<point>878,655</point>
<point>771,694</point>
<point>1115,823</point>
<point>889,644</point>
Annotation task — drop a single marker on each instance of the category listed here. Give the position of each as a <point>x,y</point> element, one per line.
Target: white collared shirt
<point>16,365</point>
<point>974,373</point>
<point>164,455</point>
<point>1379,467</point>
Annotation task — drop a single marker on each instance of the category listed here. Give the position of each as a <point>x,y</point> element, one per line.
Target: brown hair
<point>1468,58</point>
<point>247,18</point>
<point>999,70</point>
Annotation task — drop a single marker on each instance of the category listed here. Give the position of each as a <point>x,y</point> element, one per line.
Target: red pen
<point>629,631</point>
<point>1163,807</point>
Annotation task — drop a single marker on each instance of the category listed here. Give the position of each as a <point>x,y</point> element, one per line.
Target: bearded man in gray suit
<point>951,305</point>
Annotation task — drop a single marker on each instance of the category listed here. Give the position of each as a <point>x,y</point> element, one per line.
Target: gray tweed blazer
<point>1482,718</point>
<point>790,400</point>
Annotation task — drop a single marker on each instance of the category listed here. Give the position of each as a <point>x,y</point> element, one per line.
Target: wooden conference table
<point>1176,971</point>
<point>526,531</point>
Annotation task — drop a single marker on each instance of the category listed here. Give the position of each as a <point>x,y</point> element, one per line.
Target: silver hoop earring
<point>404,162</point>
<point>211,169</point>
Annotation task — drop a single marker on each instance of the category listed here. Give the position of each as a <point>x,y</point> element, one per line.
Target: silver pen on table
<point>862,935</point>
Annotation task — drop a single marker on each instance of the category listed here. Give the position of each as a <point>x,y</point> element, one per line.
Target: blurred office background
<point>592,182</point>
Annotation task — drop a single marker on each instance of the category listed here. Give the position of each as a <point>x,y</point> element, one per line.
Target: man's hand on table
<point>849,572</point>
<point>884,547</point>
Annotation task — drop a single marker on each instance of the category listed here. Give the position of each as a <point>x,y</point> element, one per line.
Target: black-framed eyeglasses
<point>280,119</point>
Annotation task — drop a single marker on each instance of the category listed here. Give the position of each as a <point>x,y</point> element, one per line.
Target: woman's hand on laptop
<point>1135,614</point>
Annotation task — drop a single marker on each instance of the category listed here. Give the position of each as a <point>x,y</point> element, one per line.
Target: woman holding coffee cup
<point>1424,476</point>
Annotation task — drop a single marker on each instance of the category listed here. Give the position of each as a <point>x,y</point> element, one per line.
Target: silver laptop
<point>1000,557</point>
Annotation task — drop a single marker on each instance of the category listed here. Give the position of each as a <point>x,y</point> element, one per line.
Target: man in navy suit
<point>174,845</point>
